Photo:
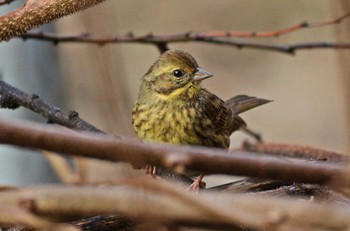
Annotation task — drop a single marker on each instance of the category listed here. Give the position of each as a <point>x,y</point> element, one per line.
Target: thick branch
<point>37,12</point>
<point>179,158</point>
<point>176,206</point>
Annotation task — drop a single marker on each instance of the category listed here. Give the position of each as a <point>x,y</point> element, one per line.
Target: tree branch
<point>4,2</point>
<point>175,206</point>
<point>294,151</point>
<point>275,33</point>
<point>285,48</point>
<point>178,158</point>
<point>12,98</point>
<point>160,41</point>
<point>37,12</point>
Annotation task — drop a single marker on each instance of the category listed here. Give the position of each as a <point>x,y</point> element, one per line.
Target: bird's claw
<point>196,185</point>
<point>152,170</point>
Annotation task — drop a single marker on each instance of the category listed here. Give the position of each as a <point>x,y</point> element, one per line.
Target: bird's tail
<point>242,103</point>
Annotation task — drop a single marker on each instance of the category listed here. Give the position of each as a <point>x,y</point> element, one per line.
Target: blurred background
<point>310,89</point>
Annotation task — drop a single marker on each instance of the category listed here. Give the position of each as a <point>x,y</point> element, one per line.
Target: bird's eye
<point>178,73</point>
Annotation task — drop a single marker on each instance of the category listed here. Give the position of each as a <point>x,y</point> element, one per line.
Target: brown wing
<point>223,119</point>
<point>242,103</point>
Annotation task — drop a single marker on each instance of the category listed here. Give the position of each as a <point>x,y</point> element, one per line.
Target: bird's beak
<point>201,74</point>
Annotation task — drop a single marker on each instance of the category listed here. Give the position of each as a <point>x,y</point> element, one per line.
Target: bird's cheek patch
<point>163,86</point>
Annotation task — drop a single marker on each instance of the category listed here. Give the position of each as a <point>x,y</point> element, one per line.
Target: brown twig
<point>274,33</point>
<point>160,40</point>
<point>179,158</point>
<point>12,98</point>
<point>286,48</point>
<point>4,2</point>
<point>35,13</point>
<point>294,151</point>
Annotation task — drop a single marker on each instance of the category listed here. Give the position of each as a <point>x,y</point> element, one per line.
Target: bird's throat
<point>187,92</point>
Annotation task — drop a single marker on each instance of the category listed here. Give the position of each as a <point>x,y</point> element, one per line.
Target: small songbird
<point>172,107</point>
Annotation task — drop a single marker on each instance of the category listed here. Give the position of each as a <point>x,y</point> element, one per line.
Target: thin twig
<point>161,40</point>
<point>285,48</point>
<point>274,33</point>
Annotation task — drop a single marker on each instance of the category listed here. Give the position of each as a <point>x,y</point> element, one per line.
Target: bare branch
<point>274,33</point>
<point>4,2</point>
<point>175,206</point>
<point>178,158</point>
<point>35,13</point>
<point>11,97</point>
<point>294,151</point>
<point>161,40</point>
<point>286,48</point>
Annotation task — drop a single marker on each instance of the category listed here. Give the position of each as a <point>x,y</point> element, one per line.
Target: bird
<point>172,107</point>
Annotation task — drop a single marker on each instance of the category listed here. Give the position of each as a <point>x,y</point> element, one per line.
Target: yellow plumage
<point>173,108</point>
<point>177,110</point>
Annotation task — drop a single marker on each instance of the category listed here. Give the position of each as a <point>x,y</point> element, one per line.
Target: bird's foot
<point>196,185</point>
<point>152,170</point>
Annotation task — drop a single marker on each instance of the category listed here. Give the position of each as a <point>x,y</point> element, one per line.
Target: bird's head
<point>174,70</point>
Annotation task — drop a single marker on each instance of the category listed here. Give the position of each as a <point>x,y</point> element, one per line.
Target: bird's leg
<point>252,133</point>
<point>152,170</point>
<point>197,184</point>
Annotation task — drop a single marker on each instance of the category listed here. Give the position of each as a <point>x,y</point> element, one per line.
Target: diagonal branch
<point>37,12</point>
<point>11,97</point>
